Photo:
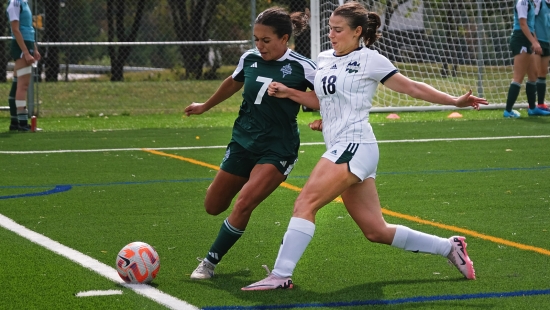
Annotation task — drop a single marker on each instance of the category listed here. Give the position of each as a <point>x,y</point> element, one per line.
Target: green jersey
<point>266,123</point>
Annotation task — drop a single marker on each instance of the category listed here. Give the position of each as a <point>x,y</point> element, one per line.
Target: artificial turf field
<point>90,193</point>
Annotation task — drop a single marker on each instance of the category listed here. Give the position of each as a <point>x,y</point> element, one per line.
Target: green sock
<point>227,237</point>
<point>531,91</point>
<point>513,93</point>
<point>11,102</point>
<point>541,89</point>
<point>23,118</point>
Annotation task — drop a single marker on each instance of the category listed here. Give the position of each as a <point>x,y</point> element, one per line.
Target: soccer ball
<point>137,262</point>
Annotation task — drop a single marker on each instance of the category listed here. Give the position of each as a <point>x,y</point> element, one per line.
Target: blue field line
<point>115,183</point>
<point>399,301</point>
<point>57,189</point>
<point>290,177</point>
<point>463,170</point>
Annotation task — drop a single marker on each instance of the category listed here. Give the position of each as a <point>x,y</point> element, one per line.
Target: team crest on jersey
<point>286,70</point>
<point>353,67</point>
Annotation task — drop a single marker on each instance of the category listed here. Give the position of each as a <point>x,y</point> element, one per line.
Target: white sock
<point>295,241</point>
<point>415,241</point>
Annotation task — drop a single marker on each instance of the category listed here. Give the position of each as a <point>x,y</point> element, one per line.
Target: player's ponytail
<point>370,31</point>
<point>357,15</point>
<point>300,22</point>
<point>282,22</point>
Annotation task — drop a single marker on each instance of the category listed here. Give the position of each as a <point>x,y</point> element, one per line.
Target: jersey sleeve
<point>238,74</point>
<point>380,68</point>
<point>522,7</point>
<point>14,10</point>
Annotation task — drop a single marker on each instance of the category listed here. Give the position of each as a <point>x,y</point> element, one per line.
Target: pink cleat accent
<point>459,257</point>
<point>272,282</point>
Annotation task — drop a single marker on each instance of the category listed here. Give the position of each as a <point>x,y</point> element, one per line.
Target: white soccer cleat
<point>272,282</point>
<point>205,270</point>
<point>459,257</point>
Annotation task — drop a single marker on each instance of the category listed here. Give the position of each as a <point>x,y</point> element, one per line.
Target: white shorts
<point>362,158</point>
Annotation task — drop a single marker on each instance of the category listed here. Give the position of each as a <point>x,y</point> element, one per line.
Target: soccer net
<point>453,45</point>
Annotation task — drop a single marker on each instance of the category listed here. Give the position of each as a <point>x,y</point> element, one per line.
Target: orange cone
<point>393,116</point>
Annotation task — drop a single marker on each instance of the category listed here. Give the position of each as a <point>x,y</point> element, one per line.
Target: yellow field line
<point>387,212</point>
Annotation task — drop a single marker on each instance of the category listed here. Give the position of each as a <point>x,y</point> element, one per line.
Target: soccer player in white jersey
<point>265,139</point>
<point>345,83</point>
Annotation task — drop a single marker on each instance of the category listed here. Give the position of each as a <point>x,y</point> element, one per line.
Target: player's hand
<point>279,90</point>
<point>195,108</point>
<point>467,100</point>
<point>37,55</point>
<point>29,60</point>
<point>537,49</point>
<point>316,125</point>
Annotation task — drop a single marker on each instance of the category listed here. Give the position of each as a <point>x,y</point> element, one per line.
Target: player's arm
<point>534,42</point>
<point>227,88</point>
<point>306,98</point>
<point>423,91</point>
<point>21,42</point>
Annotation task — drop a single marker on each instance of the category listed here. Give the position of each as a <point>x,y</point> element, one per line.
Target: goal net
<point>453,45</point>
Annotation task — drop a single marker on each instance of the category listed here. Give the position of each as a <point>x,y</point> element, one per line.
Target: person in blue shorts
<point>265,139</point>
<point>24,52</point>
<point>540,62</point>
<point>523,43</point>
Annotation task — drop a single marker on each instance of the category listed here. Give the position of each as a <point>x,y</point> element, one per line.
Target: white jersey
<point>345,86</point>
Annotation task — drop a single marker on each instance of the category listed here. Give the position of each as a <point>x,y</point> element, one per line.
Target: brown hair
<point>357,15</point>
<point>282,22</point>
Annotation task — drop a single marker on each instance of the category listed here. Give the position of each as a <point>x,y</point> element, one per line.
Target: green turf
<point>498,188</point>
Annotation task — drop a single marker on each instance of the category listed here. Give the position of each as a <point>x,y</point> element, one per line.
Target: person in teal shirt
<point>24,52</point>
<point>540,62</point>
<point>265,139</point>
<point>523,43</point>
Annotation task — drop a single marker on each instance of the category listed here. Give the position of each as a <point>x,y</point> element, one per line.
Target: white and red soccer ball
<point>137,262</point>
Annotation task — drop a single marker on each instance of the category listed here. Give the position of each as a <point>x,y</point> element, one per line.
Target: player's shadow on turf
<point>359,295</point>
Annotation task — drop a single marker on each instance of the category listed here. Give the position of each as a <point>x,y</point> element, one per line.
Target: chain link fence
<point>85,38</point>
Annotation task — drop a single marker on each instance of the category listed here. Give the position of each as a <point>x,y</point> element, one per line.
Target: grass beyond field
<point>89,185</point>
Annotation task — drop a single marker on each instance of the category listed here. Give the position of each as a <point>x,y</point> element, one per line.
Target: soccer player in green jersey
<point>24,52</point>
<point>265,139</point>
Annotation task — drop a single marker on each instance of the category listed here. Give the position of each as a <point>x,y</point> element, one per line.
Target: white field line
<point>176,148</point>
<point>98,293</point>
<point>94,265</point>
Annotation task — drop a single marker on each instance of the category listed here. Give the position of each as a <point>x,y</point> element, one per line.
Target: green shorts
<point>240,161</point>
<point>17,53</point>
<point>519,43</point>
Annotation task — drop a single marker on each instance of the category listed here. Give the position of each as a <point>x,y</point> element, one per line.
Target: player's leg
<point>229,180</point>
<point>521,64</point>
<point>23,71</point>
<point>542,71</point>
<point>361,201</point>
<point>263,180</point>
<point>326,182</point>
<point>531,87</point>
<point>14,123</point>
<point>520,48</point>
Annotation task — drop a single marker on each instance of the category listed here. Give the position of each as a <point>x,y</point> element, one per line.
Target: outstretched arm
<point>228,87</point>
<point>423,91</point>
<point>305,98</point>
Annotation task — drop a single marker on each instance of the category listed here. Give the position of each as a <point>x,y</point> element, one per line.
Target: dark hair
<point>357,15</point>
<point>282,22</point>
